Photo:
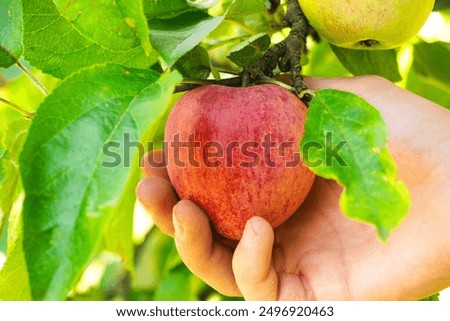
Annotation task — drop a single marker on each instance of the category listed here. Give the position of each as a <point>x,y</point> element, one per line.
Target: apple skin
<point>230,193</point>
<point>367,24</point>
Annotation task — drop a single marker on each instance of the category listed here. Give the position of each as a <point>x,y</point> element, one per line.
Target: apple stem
<point>268,80</point>
<point>286,54</point>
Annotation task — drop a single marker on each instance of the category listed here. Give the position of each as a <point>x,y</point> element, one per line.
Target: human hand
<point>318,253</point>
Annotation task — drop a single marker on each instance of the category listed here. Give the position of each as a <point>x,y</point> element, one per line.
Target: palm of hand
<point>321,254</point>
<point>315,249</point>
<point>307,257</point>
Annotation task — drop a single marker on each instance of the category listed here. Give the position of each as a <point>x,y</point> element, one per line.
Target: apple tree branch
<point>287,53</point>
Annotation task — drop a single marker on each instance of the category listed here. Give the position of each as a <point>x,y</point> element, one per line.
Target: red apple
<point>235,153</point>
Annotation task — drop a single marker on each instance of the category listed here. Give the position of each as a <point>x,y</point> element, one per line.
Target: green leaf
<point>163,9</point>
<point>428,88</point>
<point>123,22</point>
<point>369,62</point>
<point>119,234</point>
<point>179,285</point>
<point>431,62</point>
<point>346,140</point>
<point>2,169</point>
<point>11,32</point>
<point>323,62</point>
<point>251,14</point>
<point>202,4</point>
<point>239,9</point>
<point>250,51</point>
<point>14,285</point>
<point>81,41</point>
<point>13,141</point>
<point>173,38</point>
<point>133,12</point>
<point>114,33</point>
<point>428,76</point>
<point>72,182</point>
<point>153,261</point>
<point>14,278</point>
<point>434,297</point>
<point>195,64</point>
<point>441,5</point>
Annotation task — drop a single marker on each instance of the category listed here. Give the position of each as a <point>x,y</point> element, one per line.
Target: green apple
<point>367,24</point>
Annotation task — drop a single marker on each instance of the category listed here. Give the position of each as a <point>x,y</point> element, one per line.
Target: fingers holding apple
<point>205,256</point>
<point>154,164</point>
<point>252,262</point>
<point>158,198</point>
<point>245,271</point>
<point>209,259</point>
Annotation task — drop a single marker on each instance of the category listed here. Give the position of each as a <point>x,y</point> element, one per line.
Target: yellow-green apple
<point>235,152</point>
<point>367,24</point>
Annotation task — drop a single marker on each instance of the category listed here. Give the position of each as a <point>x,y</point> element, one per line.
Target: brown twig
<point>287,53</point>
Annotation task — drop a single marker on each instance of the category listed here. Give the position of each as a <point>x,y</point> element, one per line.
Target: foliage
<point>366,62</point>
<point>364,166</point>
<point>72,228</point>
<point>11,47</point>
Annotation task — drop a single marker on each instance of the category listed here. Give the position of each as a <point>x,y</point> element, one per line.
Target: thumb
<point>252,262</point>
